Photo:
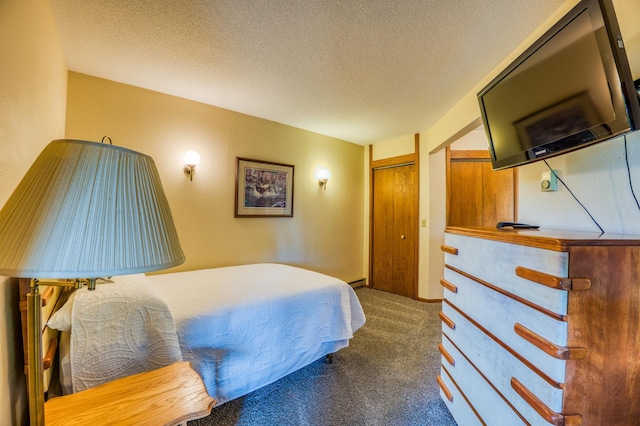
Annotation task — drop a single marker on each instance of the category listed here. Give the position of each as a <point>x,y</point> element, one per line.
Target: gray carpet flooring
<point>386,377</point>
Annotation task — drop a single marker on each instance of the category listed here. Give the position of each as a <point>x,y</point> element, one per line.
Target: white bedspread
<point>119,330</point>
<point>243,327</point>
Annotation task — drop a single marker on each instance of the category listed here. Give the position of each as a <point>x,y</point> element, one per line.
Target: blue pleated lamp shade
<point>88,210</point>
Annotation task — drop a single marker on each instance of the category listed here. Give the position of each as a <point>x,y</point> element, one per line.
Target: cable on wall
<point>573,195</point>
<point>626,160</point>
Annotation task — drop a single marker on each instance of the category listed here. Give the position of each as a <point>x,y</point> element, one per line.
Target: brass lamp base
<point>34,356</point>
<point>35,368</point>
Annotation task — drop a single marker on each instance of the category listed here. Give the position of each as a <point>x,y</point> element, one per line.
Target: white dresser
<point>540,327</point>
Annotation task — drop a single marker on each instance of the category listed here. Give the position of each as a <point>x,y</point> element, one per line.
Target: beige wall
<point>627,12</point>
<point>435,181</point>
<point>598,177</point>
<point>33,78</point>
<point>394,147</point>
<point>326,232</point>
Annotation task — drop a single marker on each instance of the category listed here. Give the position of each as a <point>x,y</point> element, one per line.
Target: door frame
<point>396,162</point>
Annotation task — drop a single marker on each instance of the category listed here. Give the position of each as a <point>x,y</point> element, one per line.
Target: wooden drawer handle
<point>450,250</point>
<point>448,321</point>
<point>444,388</point>
<point>551,281</point>
<point>446,355</point>
<point>446,284</point>
<point>47,361</point>
<point>545,412</point>
<point>550,348</point>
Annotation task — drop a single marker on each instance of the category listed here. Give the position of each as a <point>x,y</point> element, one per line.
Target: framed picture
<point>263,189</point>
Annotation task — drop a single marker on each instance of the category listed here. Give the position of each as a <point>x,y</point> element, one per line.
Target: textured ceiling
<point>358,70</point>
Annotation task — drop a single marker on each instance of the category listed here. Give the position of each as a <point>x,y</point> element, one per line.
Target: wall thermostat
<point>548,181</point>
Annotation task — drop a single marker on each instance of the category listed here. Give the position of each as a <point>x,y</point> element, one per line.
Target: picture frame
<point>263,188</point>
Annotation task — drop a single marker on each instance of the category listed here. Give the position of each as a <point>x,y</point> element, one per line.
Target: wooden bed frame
<point>48,388</point>
<point>171,395</point>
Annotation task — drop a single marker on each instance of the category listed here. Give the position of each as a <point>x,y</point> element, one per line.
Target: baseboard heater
<point>362,282</point>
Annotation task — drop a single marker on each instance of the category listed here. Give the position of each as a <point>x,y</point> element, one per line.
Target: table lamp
<point>84,210</point>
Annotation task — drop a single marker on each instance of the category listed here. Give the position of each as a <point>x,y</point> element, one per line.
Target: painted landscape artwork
<point>265,188</point>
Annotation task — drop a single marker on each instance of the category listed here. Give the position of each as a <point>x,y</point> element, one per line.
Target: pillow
<point>61,319</point>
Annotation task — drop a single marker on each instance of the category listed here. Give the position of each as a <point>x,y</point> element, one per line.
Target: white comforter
<point>118,330</point>
<point>243,327</point>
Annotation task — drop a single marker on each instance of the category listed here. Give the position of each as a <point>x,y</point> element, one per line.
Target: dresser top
<point>551,239</point>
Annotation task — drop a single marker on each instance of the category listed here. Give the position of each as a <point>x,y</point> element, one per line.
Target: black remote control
<point>516,225</point>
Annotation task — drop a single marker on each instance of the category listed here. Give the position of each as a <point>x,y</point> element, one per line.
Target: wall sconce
<point>323,177</point>
<point>191,160</point>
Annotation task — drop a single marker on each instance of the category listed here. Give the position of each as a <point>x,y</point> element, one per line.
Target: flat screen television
<point>571,88</point>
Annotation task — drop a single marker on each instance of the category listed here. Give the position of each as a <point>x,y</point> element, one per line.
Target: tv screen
<point>570,89</point>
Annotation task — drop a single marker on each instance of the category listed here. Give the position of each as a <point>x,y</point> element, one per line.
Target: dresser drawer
<point>495,263</point>
<point>490,405</point>
<point>499,314</point>
<point>458,407</point>
<point>499,366</point>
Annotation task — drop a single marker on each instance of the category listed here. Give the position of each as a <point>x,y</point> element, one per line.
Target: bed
<point>240,327</point>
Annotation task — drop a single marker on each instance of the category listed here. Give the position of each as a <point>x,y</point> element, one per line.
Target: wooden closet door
<point>394,222</point>
<point>465,194</point>
<point>476,194</point>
